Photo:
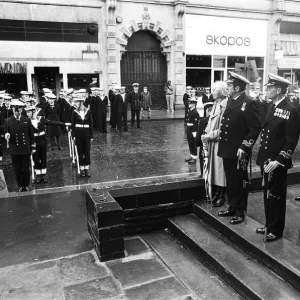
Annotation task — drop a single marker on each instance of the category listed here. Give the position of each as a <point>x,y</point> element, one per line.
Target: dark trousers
<point>102,122</point>
<point>84,147</point>
<point>21,164</point>
<point>2,145</point>
<point>114,113</point>
<point>186,112</point>
<point>275,206</point>
<point>122,120</point>
<point>201,157</point>
<point>135,112</point>
<point>237,194</point>
<point>40,157</point>
<point>192,143</point>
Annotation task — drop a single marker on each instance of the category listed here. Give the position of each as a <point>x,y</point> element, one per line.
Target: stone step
<point>281,256</point>
<point>246,275</point>
<point>202,282</point>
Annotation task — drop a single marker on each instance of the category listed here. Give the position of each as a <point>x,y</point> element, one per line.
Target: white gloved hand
<point>194,134</point>
<point>7,136</point>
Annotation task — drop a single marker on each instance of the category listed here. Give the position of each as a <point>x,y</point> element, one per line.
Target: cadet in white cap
<point>146,102</point>
<point>6,109</point>
<point>40,123</point>
<point>279,138</point>
<point>113,106</point>
<point>19,133</point>
<point>82,133</point>
<point>52,113</point>
<point>99,110</point>
<point>240,127</point>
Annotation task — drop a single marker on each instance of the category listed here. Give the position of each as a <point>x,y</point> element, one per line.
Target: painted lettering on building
<point>13,68</point>
<point>228,40</point>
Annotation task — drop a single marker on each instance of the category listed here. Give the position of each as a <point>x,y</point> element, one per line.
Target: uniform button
<point>266,147</point>
<point>225,139</point>
<point>267,136</point>
<point>262,135</point>
<point>268,130</point>
<point>220,137</point>
<point>228,119</point>
<point>225,132</point>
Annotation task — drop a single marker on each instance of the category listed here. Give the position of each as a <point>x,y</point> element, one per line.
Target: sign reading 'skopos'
<point>207,35</point>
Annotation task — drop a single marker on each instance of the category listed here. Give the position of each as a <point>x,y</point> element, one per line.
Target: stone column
<point>274,35</point>
<point>111,42</point>
<point>179,63</point>
<point>65,81</point>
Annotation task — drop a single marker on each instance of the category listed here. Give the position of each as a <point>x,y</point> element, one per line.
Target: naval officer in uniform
<point>279,138</point>
<point>19,133</point>
<point>240,127</point>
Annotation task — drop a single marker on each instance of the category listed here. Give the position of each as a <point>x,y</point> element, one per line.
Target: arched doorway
<point>144,63</point>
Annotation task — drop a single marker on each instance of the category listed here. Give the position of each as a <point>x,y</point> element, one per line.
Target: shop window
<point>232,60</point>
<point>198,77</point>
<point>202,61</point>
<point>13,83</point>
<point>219,61</point>
<point>80,81</point>
<point>259,61</point>
<point>17,30</point>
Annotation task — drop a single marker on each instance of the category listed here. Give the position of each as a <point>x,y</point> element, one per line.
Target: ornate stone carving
<point>180,10</point>
<point>146,18</point>
<point>134,25</point>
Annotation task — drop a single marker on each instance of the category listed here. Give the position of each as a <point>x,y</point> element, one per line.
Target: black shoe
<point>261,230</point>
<point>132,125</point>
<point>297,198</point>
<point>43,179</point>
<point>87,173</point>
<point>236,220</point>
<point>126,130</point>
<point>59,147</point>
<point>20,189</point>
<point>272,237</point>
<point>215,198</point>
<point>188,159</point>
<point>226,213</point>
<point>220,202</point>
<point>139,126</point>
<point>82,173</point>
<point>192,161</point>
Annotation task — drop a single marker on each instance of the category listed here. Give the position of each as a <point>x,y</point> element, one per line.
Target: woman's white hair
<point>221,88</point>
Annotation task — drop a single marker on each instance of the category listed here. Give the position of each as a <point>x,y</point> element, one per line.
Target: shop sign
<point>13,68</point>
<point>208,35</point>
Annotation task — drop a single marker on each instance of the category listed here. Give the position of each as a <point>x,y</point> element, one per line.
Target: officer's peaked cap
<point>237,78</point>
<point>29,108</point>
<point>135,84</point>
<point>46,90</point>
<point>17,102</point>
<point>69,91</point>
<point>51,96</point>
<point>277,80</point>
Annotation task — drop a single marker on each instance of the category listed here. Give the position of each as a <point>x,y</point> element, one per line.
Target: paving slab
<point>201,281</point>
<point>137,271</point>
<point>103,288</point>
<point>135,246</point>
<point>165,289</point>
<point>80,268</point>
<point>32,282</point>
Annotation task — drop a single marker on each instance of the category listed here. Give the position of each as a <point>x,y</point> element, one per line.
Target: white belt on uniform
<point>82,125</point>
<point>40,133</point>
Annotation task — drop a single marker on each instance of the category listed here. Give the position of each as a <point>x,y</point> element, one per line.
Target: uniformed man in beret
<point>19,133</point>
<point>240,127</point>
<point>135,101</point>
<point>279,138</point>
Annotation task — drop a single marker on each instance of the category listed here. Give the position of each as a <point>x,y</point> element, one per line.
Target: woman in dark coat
<point>52,113</point>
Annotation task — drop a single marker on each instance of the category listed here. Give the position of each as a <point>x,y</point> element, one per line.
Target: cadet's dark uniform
<point>193,118</point>
<point>7,112</point>
<point>122,102</point>
<point>2,140</point>
<point>82,131</point>
<point>99,113</point>
<point>21,144</point>
<point>40,156</point>
<point>279,138</point>
<point>186,97</point>
<point>135,100</point>
<point>113,109</point>
<point>240,128</point>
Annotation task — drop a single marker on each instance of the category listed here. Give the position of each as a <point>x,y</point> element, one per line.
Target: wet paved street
<point>159,148</point>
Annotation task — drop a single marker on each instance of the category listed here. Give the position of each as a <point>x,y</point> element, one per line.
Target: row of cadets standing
<point>82,134</point>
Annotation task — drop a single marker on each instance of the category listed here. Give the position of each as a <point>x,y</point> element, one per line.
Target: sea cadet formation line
<point>226,132</point>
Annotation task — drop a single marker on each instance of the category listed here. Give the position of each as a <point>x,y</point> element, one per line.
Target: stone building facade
<point>196,42</point>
